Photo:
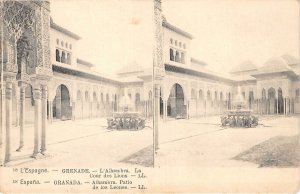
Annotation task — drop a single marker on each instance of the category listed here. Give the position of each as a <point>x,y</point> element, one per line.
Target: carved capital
<point>9,76</point>
<point>36,93</point>
<point>44,91</point>
<point>23,77</point>
<point>22,84</point>
<point>8,90</point>
<point>22,92</point>
<point>10,67</point>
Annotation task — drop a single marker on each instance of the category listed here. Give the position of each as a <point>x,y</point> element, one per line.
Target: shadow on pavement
<point>143,157</point>
<point>280,151</point>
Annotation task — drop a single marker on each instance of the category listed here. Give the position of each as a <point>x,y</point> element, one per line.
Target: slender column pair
<point>50,112</point>
<point>40,96</point>
<point>8,114</point>
<point>22,115</point>
<point>17,105</point>
<point>277,106</point>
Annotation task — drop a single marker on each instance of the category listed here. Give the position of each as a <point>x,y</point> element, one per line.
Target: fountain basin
<point>239,118</point>
<point>126,120</point>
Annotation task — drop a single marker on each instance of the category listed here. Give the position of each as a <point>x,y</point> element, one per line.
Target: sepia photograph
<point>151,96</point>
<point>229,96</point>
<point>76,83</point>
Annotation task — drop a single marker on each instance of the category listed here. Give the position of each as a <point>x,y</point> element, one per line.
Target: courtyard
<point>203,156</point>
<point>85,143</point>
<point>203,142</point>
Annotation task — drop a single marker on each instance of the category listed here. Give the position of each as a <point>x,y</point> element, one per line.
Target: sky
<point>227,32</point>
<point>114,33</point>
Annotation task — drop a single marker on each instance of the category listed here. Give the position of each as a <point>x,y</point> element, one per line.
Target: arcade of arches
<point>180,105</point>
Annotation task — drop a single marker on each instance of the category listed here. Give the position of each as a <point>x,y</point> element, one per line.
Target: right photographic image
<point>227,95</point>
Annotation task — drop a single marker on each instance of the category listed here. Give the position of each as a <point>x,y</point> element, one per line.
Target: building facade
<point>190,90</point>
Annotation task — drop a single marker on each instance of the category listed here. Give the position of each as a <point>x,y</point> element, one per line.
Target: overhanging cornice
<point>81,74</point>
<point>186,71</point>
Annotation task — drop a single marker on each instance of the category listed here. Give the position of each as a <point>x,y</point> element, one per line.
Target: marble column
<point>259,106</point>
<point>37,99</point>
<point>262,106</point>
<point>22,115</point>
<point>1,116</point>
<point>268,106</point>
<point>288,105</point>
<point>187,109</point>
<point>204,107</point>
<point>293,106</point>
<point>73,110</point>
<point>156,114</point>
<point>165,110</point>
<point>284,106</point>
<point>277,105</point>
<point>44,118</point>
<point>8,113</point>
<point>196,107</point>
<point>17,96</point>
<point>146,109</point>
<point>2,123</point>
<point>50,111</point>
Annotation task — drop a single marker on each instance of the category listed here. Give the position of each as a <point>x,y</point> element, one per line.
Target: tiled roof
<point>290,60</point>
<point>131,68</point>
<point>245,66</point>
<point>274,65</point>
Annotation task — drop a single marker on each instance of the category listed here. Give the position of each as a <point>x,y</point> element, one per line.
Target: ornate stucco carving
<point>159,70</point>
<point>27,38</point>
<point>17,18</point>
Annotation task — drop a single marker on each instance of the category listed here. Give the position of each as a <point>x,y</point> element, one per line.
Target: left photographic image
<point>76,84</point>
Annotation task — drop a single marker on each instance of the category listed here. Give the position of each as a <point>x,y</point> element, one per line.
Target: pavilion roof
<point>276,65</point>
<point>245,66</point>
<point>132,67</point>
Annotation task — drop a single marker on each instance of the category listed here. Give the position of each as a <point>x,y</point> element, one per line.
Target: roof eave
<point>176,29</point>
<point>287,72</point>
<point>83,62</point>
<point>65,31</point>
<point>169,67</point>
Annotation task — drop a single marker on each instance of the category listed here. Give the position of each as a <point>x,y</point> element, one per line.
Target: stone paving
<point>198,155</point>
<point>203,142</point>
<point>81,143</point>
